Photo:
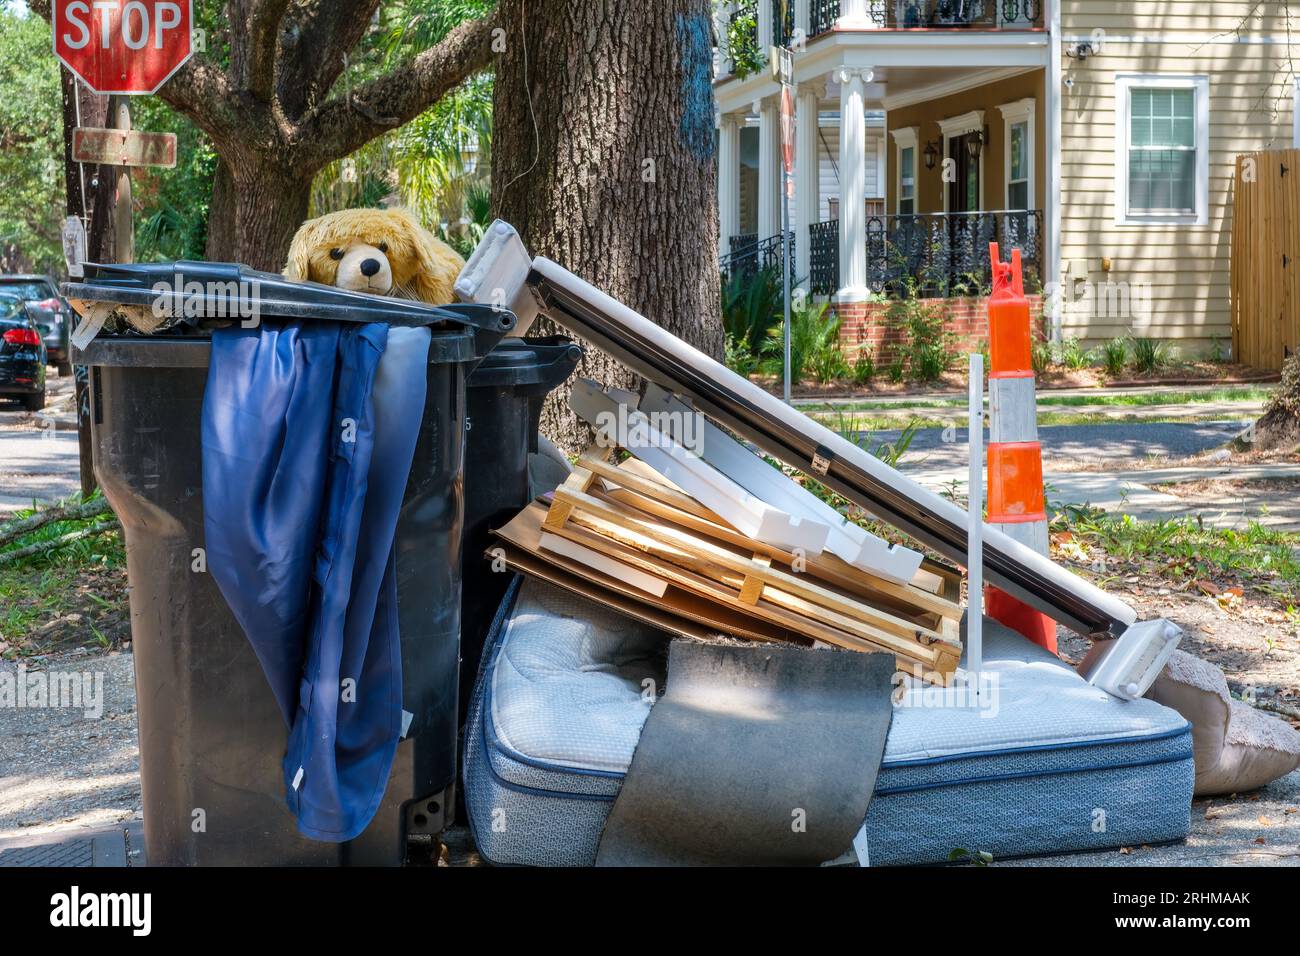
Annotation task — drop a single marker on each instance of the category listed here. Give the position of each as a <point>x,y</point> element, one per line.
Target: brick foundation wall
<point>867,323</point>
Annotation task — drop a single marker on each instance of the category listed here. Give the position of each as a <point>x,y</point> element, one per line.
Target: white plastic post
<point>975,526</point>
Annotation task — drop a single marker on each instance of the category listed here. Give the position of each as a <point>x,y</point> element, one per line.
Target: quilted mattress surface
<point>1039,762</point>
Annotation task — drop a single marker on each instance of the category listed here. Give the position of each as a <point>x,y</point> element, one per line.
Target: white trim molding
<point>1124,85</point>
<point>905,138</point>
<point>1020,111</point>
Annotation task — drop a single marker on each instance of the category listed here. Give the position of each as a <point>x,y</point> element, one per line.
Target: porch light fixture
<point>975,143</point>
<point>931,154</point>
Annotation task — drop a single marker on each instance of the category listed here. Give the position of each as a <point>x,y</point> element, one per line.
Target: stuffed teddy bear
<point>384,251</point>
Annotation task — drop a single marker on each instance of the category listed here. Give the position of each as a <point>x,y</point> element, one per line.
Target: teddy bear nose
<point>369,267</point>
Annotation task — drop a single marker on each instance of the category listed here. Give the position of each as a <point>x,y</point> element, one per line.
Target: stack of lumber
<point>625,535</point>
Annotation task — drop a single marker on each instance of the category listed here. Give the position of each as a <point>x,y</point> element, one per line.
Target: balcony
<point>931,255</point>
<point>935,14</point>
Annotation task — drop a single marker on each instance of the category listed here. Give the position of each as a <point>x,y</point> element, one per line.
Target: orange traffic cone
<point>1015,459</point>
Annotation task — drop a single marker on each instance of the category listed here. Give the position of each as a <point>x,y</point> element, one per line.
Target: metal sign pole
<point>783,61</point>
<point>785,256</point>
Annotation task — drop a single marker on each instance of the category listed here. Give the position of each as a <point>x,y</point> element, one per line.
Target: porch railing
<point>934,255</point>
<point>935,14</point>
<point>822,15</point>
<point>749,254</point>
<point>782,22</point>
<point>947,254</point>
<point>824,257</point>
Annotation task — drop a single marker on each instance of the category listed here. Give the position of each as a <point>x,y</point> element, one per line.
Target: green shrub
<point>740,357</point>
<point>1071,353</point>
<point>927,350</point>
<point>814,346</point>
<point>742,46</point>
<point>1149,355</point>
<point>751,305</point>
<point>864,366</point>
<point>1041,356</point>
<point>1114,356</point>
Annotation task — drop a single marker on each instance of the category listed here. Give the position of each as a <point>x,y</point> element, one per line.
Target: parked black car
<point>52,315</point>
<point>22,354</point>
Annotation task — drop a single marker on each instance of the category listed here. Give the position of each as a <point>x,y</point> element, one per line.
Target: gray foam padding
<point>755,755</point>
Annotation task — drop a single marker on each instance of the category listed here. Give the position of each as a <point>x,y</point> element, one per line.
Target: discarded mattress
<point>1049,765</point>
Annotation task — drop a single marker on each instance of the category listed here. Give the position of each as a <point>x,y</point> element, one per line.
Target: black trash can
<point>211,734</point>
<point>504,397</point>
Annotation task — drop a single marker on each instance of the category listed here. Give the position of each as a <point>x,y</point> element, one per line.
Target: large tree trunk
<point>1280,424</point>
<point>255,211</point>
<point>603,159</point>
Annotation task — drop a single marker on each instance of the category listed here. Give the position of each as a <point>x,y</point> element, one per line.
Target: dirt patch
<point>57,609</point>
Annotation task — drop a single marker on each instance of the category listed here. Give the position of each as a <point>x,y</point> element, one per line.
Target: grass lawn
<point>70,593</point>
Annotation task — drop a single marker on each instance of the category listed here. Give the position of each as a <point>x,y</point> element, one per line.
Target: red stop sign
<point>123,46</point>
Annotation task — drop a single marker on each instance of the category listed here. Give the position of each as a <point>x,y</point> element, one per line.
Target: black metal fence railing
<point>931,255</point>
<point>749,254</point>
<point>782,22</point>
<point>947,254</point>
<point>822,15</point>
<point>824,257</point>
<point>985,14</point>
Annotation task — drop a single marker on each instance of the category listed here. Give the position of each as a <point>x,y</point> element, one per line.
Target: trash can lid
<point>518,362</point>
<point>190,292</point>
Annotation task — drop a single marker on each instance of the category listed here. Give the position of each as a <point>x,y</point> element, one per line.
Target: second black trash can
<point>504,398</point>
<point>211,735</point>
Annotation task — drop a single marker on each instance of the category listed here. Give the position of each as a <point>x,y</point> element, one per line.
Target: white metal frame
<point>710,487</point>
<point>846,539</point>
<point>1200,85</point>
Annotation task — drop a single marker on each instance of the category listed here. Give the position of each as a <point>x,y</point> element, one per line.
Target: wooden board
<point>899,597</point>
<point>687,549</point>
<point>681,610</point>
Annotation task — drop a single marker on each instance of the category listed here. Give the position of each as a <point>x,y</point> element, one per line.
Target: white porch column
<point>728,180</point>
<point>802,23</point>
<point>853,184</point>
<point>769,166</point>
<point>807,202</point>
<point>764,26</point>
<point>856,14</point>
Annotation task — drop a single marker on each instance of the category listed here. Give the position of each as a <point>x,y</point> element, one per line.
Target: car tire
<point>63,368</point>
<point>35,401</point>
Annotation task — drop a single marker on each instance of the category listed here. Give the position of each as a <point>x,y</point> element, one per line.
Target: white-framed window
<point>1162,149</point>
<point>905,184</point>
<point>1018,171</point>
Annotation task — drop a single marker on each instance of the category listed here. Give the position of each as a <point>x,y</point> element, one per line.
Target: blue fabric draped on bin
<point>308,435</point>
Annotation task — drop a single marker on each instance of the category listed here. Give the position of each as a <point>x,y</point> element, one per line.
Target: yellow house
<point>1099,136</point>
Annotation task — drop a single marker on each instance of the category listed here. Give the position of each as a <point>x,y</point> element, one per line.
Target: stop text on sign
<point>132,19</point>
<point>123,46</point>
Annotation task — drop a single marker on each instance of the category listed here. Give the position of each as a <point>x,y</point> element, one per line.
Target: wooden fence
<point>1265,249</point>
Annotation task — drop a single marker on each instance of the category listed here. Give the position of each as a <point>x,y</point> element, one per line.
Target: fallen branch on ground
<point>12,530</point>
<point>41,546</point>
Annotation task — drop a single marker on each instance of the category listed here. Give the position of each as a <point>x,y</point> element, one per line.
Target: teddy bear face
<point>380,251</point>
<point>355,265</point>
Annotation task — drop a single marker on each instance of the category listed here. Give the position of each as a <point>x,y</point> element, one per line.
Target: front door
<point>964,190</point>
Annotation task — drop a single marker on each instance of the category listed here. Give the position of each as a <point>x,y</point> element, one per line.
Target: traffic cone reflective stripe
<point>1015,462</point>
<point>1015,482</point>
